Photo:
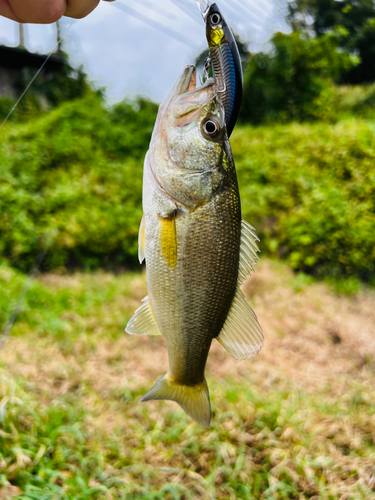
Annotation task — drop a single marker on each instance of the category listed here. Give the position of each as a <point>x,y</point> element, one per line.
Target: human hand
<point>45,11</point>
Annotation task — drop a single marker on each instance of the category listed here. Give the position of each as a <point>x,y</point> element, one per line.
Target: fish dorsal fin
<point>143,321</point>
<point>241,334</point>
<point>248,252</point>
<point>141,241</point>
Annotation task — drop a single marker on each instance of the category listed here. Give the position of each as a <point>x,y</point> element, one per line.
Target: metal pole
<point>58,35</point>
<point>21,34</point>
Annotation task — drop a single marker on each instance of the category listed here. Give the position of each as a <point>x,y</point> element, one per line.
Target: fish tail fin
<point>194,400</point>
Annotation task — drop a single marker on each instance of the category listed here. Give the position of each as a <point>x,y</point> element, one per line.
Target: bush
<point>310,192</point>
<point>6,105</point>
<point>75,176</point>
<point>73,180</point>
<point>355,100</point>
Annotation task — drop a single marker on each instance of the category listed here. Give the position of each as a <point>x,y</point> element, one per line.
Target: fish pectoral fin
<point>168,239</point>
<point>194,400</point>
<point>248,251</point>
<point>143,321</point>
<point>241,334</point>
<point>142,241</point>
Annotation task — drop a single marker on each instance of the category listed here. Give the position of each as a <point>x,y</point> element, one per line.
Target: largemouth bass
<point>198,250</point>
<point>225,60</point>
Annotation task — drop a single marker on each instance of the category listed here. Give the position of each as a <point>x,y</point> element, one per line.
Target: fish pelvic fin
<point>143,321</point>
<point>194,400</point>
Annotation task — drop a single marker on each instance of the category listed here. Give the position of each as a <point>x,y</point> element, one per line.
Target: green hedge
<point>74,177</point>
<point>310,191</point>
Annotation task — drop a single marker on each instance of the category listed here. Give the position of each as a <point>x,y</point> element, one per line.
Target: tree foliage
<point>294,80</point>
<point>47,91</point>
<point>63,85</point>
<point>355,17</point>
<point>364,43</point>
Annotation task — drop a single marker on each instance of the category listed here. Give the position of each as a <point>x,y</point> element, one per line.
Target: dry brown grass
<point>319,353</point>
<point>314,338</point>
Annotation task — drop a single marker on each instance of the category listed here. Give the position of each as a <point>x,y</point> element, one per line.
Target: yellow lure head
<point>215,26</point>
<point>215,37</point>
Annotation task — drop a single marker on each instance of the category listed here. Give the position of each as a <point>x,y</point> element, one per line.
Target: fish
<point>225,60</point>
<point>197,247</point>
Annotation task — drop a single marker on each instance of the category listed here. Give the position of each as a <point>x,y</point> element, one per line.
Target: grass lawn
<point>297,422</point>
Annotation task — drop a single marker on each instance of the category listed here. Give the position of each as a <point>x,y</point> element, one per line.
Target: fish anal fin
<point>241,334</point>
<point>194,400</point>
<point>142,241</point>
<point>248,251</point>
<point>143,321</point>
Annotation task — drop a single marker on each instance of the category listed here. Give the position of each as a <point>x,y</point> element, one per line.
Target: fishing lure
<point>225,61</point>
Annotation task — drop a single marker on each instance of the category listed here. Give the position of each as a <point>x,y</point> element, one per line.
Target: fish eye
<point>215,19</point>
<point>211,128</point>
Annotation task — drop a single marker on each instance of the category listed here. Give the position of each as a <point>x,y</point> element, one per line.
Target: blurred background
<point>298,421</point>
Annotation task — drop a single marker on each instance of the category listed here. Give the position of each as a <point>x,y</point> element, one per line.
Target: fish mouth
<point>186,85</point>
<point>187,81</point>
<point>186,90</point>
<point>186,101</point>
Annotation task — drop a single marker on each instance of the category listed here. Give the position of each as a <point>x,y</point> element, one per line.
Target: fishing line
<point>189,10</point>
<point>238,14</point>
<point>151,22</point>
<point>269,5</point>
<point>248,11</point>
<point>33,78</point>
<point>26,287</point>
<point>159,10</point>
<point>38,262</point>
<point>253,4</point>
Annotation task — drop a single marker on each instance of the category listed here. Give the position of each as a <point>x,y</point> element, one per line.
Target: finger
<point>33,11</point>
<point>6,11</point>
<point>80,8</point>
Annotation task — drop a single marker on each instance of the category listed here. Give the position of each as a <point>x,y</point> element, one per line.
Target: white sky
<point>128,56</point>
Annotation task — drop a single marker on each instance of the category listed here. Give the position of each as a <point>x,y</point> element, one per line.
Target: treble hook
<point>207,66</point>
<point>206,69</point>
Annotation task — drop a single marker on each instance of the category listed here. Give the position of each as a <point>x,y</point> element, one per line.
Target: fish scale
<point>209,231</point>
